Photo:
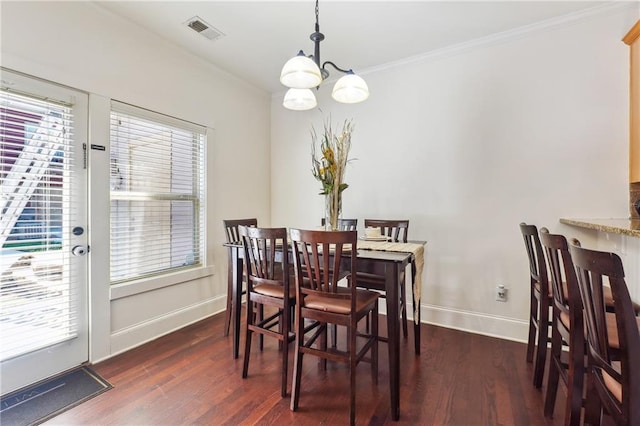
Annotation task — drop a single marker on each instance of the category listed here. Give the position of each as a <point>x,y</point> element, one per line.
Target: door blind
<point>36,154</point>
<point>157,193</point>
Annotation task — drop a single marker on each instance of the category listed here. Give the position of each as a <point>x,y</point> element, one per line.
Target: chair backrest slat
<point>566,293</point>
<point>231,228</point>
<point>537,264</point>
<point>261,247</point>
<point>397,230</point>
<point>321,259</point>
<point>344,224</point>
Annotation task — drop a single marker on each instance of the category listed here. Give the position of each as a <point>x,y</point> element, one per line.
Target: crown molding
<point>498,38</point>
<point>506,36</point>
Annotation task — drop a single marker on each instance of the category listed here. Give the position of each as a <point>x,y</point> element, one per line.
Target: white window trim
<point>151,283</point>
<point>131,288</point>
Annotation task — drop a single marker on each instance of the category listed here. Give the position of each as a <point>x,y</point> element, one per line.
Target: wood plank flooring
<point>190,377</point>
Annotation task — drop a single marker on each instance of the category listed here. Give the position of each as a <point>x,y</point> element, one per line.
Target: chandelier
<point>301,73</point>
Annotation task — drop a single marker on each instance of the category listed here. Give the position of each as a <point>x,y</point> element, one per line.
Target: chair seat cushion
<point>274,290</point>
<point>564,319</point>
<point>608,299</point>
<point>614,386</point>
<point>537,287</point>
<point>612,330</point>
<point>364,298</point>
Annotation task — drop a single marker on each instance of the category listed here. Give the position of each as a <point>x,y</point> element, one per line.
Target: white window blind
<point>36,290</point>
<point>157,193</point>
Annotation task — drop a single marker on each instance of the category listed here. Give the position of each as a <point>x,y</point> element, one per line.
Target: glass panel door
<point>43,257</point>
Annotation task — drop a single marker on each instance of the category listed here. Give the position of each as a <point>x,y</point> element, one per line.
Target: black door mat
<point>39,402</point>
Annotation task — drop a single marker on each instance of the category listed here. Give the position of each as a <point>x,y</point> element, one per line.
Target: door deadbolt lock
<point>80,250</point>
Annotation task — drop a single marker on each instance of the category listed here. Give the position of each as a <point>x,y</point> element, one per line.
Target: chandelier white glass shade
<point>299,99</point>
<point>302,73</point>
<point>350,89</point>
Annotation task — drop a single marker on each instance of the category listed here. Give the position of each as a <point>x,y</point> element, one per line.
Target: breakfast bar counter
<point>630,227</point>
<point>620,236</point>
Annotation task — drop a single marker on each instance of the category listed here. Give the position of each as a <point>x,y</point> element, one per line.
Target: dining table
<point>390,261</point>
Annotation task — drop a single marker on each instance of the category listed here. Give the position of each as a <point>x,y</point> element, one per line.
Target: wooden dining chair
<point>397,231</point>
<point>540,300</point>
<point>320,259</point>
<point>233,236</point>
<point>268,285</point>
<point>614,375</point>
<point>567,329</point>
<point>344,224</point>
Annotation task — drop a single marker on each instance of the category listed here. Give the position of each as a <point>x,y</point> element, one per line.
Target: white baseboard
<point>471,322</point>
<point>139,334</point>
<point>475,322</point>
<point>468,321</point>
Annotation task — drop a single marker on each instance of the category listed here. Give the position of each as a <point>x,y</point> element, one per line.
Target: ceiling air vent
<point>201,27</point>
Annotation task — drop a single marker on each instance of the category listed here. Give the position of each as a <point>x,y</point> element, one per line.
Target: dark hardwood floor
<point>190,377</point>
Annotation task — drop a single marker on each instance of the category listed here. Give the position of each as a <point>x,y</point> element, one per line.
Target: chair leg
<point>352,372</point>
<point>297,364</point>
<point>533,319</point>
<point>541,348</point>
<point>554,373</point>
<point>323,346</point>
<point>285,349</point>
<point>576,378</point>
<point>247,345</point>
<point>334,335</point>
<point>593,406</point>
<point>227,313</point>
<point>280,319</point>
<point>260,318</point>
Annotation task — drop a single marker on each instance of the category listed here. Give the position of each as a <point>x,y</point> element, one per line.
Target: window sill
<point>132,288</point>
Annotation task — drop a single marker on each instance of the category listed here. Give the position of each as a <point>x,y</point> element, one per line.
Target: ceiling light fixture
<point>302,72</point>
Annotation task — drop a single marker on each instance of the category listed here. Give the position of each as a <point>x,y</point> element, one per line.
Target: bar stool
<point>540,302</point>
<point>319,264</point>
<point>268,284</point>
<point>614,375</point>
<point>233,236</point>
<point>397,231</point>
<point>567,330</point>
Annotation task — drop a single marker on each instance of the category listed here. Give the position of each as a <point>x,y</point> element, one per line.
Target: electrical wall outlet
<point>501,293</point>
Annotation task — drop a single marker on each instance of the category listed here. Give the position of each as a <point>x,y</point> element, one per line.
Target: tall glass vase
<point>332,210</point>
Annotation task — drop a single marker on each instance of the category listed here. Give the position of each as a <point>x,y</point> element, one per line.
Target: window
<point>157,193</point>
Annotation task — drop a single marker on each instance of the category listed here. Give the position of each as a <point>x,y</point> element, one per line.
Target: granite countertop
<point>629,227</point>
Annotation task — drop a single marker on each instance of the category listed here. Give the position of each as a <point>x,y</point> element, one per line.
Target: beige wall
<point>532,126</point>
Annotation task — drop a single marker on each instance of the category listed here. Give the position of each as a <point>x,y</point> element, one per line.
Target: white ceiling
<point>261,35</point>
